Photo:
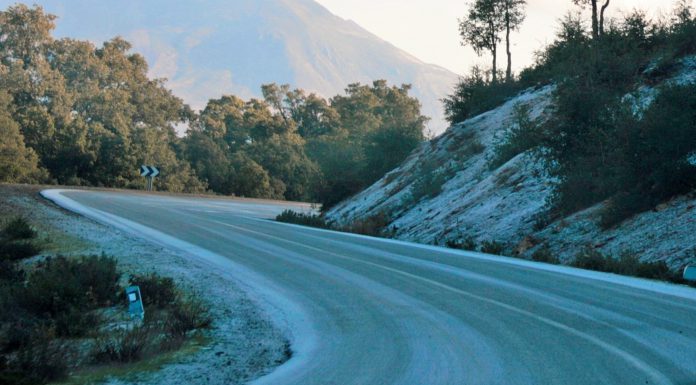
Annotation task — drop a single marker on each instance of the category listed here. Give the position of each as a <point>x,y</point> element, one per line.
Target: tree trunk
<point>601,17</point>
<point>508,73</point>
<point>494,52</point>
<point>595,23</point>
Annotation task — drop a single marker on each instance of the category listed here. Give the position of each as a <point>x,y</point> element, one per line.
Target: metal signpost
<point>150,172</point>
<point>135,302</point>
<point>690,273</point>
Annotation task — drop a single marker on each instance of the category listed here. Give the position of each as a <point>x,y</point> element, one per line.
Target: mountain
<point>476,203</point>
<point>207,48</point>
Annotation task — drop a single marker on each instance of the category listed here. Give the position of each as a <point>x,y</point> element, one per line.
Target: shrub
<point>467,244</point>
<point>188,314</point>
<point>312,220</point>
<point>42,360</point>
<point>492,247</point>
<point>429,182</point>
<point>18,228</point>
<point>544,254</point>
<point>523,135</point>
<point>155,290</point>
<point>124,346</point>
<point>476,94</point>
<point>17,250</point>
<point>65,289</point>
<point>627,264</point>
<point>373,225</point>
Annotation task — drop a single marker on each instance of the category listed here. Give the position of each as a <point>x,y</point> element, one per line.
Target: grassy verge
<point>67,314</point>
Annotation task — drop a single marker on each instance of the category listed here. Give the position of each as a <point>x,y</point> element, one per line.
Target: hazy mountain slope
<point>210,47</point>
<point>503,204</point>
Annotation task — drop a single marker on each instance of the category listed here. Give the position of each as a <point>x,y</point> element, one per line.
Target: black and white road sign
<point>149,171</point>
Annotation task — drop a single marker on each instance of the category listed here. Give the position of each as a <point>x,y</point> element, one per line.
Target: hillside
<point>214,47</point>
<point>479,204</point>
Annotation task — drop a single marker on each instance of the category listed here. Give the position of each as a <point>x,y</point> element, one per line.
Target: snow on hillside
<point>476,201</point>
<point>503,204</point>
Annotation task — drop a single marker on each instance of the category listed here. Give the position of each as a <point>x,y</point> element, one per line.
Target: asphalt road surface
<point>369,311</point>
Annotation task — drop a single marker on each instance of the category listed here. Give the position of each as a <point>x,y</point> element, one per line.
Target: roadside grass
<point>131,371</point>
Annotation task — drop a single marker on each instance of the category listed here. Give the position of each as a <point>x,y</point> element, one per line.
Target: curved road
<point>370,311</point>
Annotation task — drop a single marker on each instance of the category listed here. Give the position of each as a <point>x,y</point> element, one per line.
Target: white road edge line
<point>285,312</point>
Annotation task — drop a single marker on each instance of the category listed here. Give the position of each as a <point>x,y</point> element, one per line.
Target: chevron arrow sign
<point>151,171</point>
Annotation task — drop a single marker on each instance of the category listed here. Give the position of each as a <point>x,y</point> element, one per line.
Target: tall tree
<point>481,29</point>
<point>513,15</point>
<point>597,15</point>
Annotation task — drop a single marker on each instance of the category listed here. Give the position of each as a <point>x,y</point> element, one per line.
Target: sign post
<point>135,302</point>
<point>150,172</point>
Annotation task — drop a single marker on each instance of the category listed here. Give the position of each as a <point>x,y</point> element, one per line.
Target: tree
<point>18,164</point>
<point>481,29</point>
<point>597,15</point>
<point>513,15</point>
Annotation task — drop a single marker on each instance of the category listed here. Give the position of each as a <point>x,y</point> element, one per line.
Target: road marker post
<point>150,172</point>
<point>135,302</point>
<point>690,273</point>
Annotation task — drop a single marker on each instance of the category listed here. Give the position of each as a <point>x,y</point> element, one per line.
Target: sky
<point>428,29</point>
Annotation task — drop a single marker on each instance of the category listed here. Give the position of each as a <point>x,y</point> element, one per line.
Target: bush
<point>188,314</point>
<point>40,361</point>
<point>476,94</point>
<point>467,244</point>
<point>17,250</point>
<point>524,135</point>
<point>65,289</point>
<point>544,255</point>
<point>373,225</point>
<point>155,290</point>
<point>123,347</point>
<point>312,220</point>
<point>492,247</point>
<point>627,264</point>
<point>18,228</point>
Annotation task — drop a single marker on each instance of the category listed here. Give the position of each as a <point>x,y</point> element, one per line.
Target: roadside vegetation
<point>600,142</point>
<point>73,113</point>
<point>374,226</point>
<point>64,315</point>
<point>626,263</point>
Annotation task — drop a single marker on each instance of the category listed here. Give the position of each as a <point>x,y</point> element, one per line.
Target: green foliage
<point>626,264</point>
<point>476,94</point>
<point>124,346</point>
<point>522,136</point>
<point>312,220</point>
<point>91,114</point>
<point>17,250</point>
<point>188,314</point>
<point>545,255</point>
<point>374,226</point>
<point>429,182</point>
<point>492,247</point>
<point>18,228</point>
<point>155,290</point>
<point>466,244</point>
<point>66,289</point>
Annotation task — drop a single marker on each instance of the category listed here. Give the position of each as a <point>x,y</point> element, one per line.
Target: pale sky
<point>428,29</point>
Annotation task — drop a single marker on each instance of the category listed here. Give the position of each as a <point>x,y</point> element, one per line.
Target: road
<point>363,311</point>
